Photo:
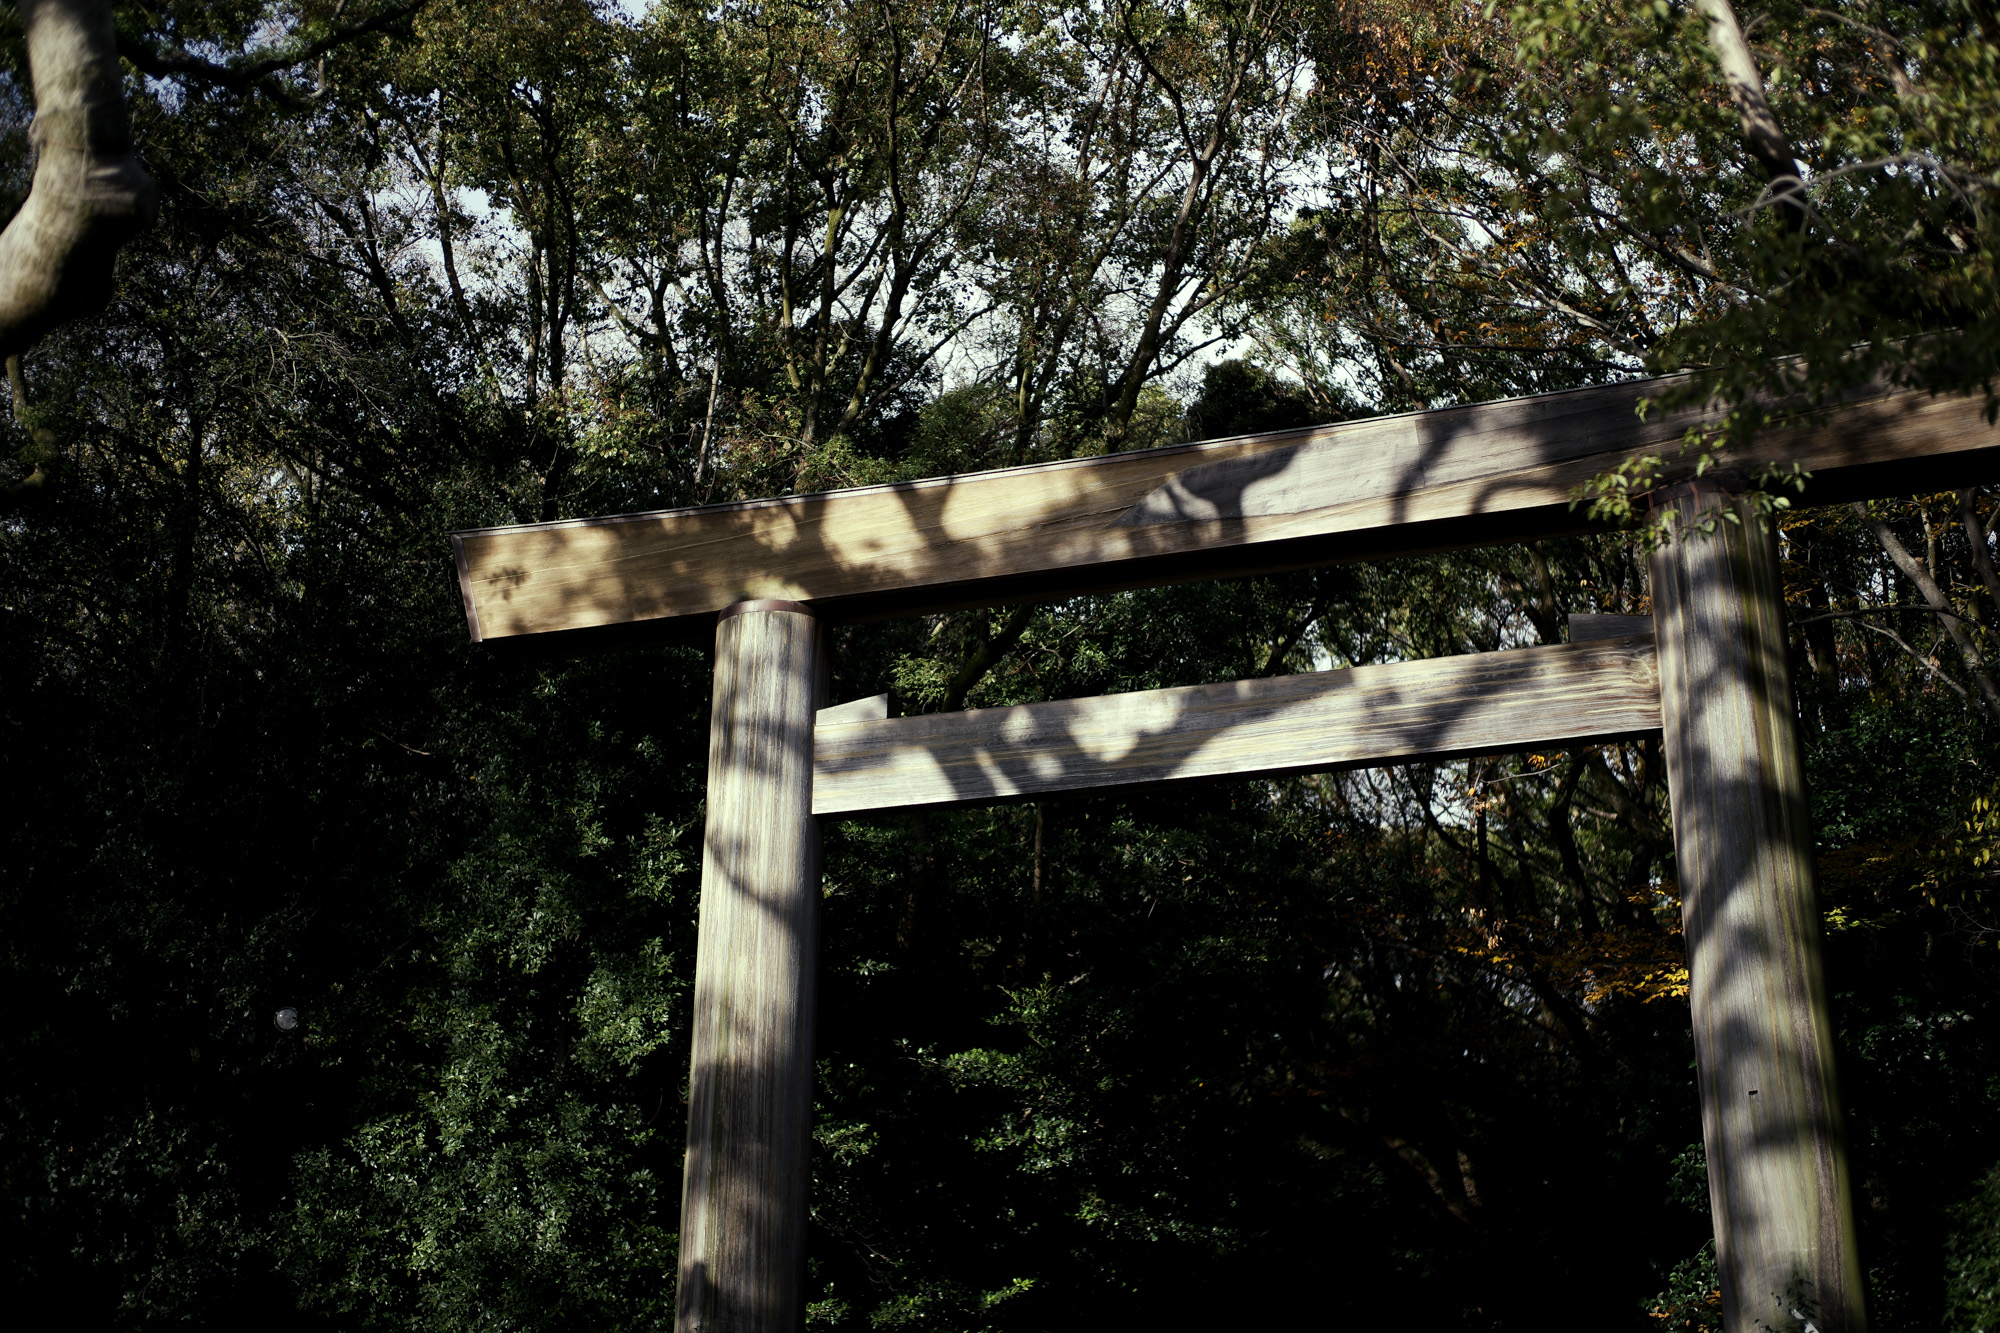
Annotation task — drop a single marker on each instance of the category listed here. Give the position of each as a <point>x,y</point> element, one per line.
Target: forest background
<point>1413,1039</point>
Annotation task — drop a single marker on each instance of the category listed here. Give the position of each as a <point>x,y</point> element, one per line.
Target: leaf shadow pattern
<point>1779,1188</point>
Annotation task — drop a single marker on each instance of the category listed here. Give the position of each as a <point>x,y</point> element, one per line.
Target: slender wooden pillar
<point>743,1198</point>
<point>1777,1171</point>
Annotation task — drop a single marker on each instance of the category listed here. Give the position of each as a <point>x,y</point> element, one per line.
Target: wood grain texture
<point>1777,1172</point>
<point>1482,703</point>
<point>1465,476</point>
<point>743,1195</point>
<point>872,708</point>
<point>1587,625</point>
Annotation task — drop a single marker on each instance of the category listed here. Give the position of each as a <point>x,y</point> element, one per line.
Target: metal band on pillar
<point>743,1196</point>
<point>1777,1171</point>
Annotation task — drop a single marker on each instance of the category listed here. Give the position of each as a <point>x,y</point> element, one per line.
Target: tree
<point>1395,1038</point>
<point>90,193</point>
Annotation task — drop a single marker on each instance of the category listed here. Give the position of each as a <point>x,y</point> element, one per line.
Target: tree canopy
<point>1413,1039</point>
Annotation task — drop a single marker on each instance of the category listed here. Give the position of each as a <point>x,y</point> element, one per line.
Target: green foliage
<point>1972,1260</point>
<point>1242,398</point>
<point>1692,1298</point>
<point>1335,1044</point>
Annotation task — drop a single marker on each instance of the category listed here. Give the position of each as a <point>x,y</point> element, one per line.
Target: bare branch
<point>1914,570</point>
<point>237,76</point>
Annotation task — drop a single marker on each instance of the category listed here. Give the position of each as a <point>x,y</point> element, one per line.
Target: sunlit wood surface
<point>1448,706</point>
<point>743,1191</point>
<point>1763,1031</point>
<point>1493,472</point>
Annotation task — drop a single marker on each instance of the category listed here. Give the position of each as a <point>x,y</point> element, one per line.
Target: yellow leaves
<point>1501,959</point>
<point>1982,832</point>
<point>1872,886</point>
<point>1838,920</point>
<point>1963,875</point>
<point>1645,961</point>
<point>1681,1318</point>
<point>1670,984</point>
<point>1644,964</point>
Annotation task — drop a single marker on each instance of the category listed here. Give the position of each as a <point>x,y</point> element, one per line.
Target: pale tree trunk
<point>1975,534</point>
<point>1934,596</point>
<point>90,194</point>
<point>1762,134</point>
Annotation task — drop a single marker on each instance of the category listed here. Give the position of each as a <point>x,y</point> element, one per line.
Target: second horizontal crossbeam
<point>1447,707</point>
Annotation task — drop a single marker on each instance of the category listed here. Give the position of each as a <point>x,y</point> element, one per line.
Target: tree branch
<point>90,193</point>
<point>1914,570</point>
<point>1762,134</point>
<point>1975,532</point>
<point>238,75</point>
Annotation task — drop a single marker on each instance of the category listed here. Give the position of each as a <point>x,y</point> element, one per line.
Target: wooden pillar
<point>743,1197</point>
<point>1777,1171</point>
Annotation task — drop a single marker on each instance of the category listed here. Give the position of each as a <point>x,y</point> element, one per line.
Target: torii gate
<point>1709,674</point>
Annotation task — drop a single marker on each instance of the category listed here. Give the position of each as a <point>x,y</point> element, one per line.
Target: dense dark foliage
<point>1409,1041</point>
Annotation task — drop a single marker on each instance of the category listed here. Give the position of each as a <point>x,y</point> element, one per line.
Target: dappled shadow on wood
<point>743,1202</point>
<point>1778,1178</point>
<point>1485,703</point>
<point>1302,497</point>
<point>1384,486</point>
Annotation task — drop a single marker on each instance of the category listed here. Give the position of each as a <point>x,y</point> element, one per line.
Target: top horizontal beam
<point>1423,481</point>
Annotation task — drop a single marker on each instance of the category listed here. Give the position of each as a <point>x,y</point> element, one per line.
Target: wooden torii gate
<point>1708,674</point>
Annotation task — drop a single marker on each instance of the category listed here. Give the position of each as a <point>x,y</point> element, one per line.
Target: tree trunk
<point>1762,134</point>
<point>90,195</point>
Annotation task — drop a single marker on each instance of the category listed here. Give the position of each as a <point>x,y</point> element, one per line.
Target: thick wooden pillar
<point>743,1198</point>
<point>1777,1171</point>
